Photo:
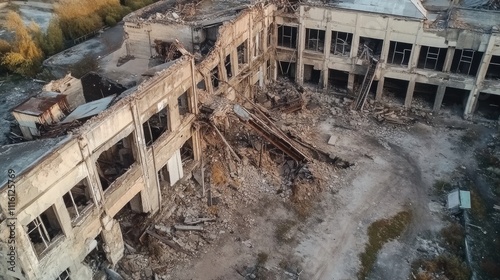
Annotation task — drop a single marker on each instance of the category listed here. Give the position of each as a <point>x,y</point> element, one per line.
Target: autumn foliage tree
<point>25,55</point>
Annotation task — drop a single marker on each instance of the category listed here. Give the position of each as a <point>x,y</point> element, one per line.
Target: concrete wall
<point>44,185</point>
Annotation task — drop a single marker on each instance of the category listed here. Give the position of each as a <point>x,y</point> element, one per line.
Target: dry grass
<point>262,258</point>
<point>454,236</point>
<point>379,233</point>
<point>451,266</point>
<point>282,231</point>
<point>218,174</point>
<point>442,187</point>
<point>478,208</point>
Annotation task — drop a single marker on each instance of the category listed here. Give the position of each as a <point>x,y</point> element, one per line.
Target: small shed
<point>44,109</point>
<point>457,200</point>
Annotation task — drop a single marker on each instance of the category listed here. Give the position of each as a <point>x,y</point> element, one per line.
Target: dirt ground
<point>261,234</point>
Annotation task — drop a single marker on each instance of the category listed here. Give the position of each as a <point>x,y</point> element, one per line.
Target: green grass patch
<point>442,187</point>
<point>282,232</point>
<point>379,233</point>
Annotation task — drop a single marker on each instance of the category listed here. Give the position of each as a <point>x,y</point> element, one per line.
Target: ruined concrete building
<point>69,189</point>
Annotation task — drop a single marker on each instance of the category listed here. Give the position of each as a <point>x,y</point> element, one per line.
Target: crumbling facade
<point>68,197</point>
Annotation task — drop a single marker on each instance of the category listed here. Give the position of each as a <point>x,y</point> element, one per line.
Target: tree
<point>25,57</point>
<point>53,40</point>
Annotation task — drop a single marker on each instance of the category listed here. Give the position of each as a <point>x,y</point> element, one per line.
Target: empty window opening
<point>258,44</point>
<point>183,103</point>
<point>311,75</point>
<point>466,62</point>
<point>187,154</point>
<point>227,63</point>
<point>287,36</point>
<point>431,58</point>
<point>494,68</point>
<point>395,91</point>
<point>315,40</point>
<point>341,43</point>
<point>424,96</point>
<point>78,200</point>
<point>399,53</point>
<point>268,69</point>
<point>214,76</point>
<point>43,230</point>
<point>163,177</point>
<point>488,106</point>
<point>115,161</point>
<point>201,85</point>
<point>369,47</point>
<point>269,36</point>
<point>64,275</point>
<point>97,256</point>
<point>156,125</point>
<point>454,99</point>
<point>286,69</point>
<point>242,53</point>
<point>166,51</point>
<point>337,80</point>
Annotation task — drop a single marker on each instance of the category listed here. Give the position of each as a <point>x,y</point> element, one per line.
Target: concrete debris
<point>188,228</point>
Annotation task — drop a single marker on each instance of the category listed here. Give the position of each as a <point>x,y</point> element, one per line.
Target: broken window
<point>268,69</point>
<point>399,53</point>
<point>187,155</point>
<point>201,85</point>
<point>338,79</point>
<point>466,62</point>
<point>311,75</point>
<point>432,58</point>
<point>286,69</point>
<point>183,103</point>
<point>369,47</point>
<point>227,63</point>
<point>78,200</point>
<point>214,74</point>
<point>156,125</point>
<point>269,36</point>
<point>341,43</point>
<point>115,161</point>
<point>258,44</point>
<point>315,40</point>
<point>494,68</point>
<point>242,53</point>
<point>287,36</point>
<point>43,230</point>
<point>64,275</point>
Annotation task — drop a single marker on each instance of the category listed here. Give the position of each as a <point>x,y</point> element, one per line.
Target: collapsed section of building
<point>127,149</point>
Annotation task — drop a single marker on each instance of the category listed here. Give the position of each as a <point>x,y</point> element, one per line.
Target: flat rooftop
<point>22,156</point>
<point>402,8</point>
<point>474,20</point>
<point>38,105</point>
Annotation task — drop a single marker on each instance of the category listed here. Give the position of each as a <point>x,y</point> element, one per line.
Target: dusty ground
<point>395,169</point>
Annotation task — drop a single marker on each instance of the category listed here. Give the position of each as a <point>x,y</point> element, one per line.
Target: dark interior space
<point>315,40</point>
<point>78,199</point>
<point>399,53</point>
<point>96,87</point>
<point>424,96</point>
<point>155,126</point>
<point>287,36</point>
<point>373,46</point>
<point>454,99</point>
<point>466,62</point>
<point>431,58</point>
<point>311,76</point>
<point>341,43</point>
<point>183,103</point>
<point>338,79</point>
<point>43,229</point>
<point>395,90</point>
<point>187,155</point>
<point>494,68</point>
<point>242,52</point>
<point>214,76</point>
<point>115,161</point>
<point>227,63</point>
<point>488,106</point>
<point>286,69</point>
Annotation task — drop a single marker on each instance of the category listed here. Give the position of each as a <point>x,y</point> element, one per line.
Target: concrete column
<point>299,78</point>
<point>380,88</point>
<point>193,95</point>
<point>113,239</point>
<point>62,216</point>
<point>235,67</point>
<point>93,177</point>
<point>326,54</point>
<point>250,42</point>
<point>409,92</point>
<point>150,198</point>
<point>195,139</point>
<point>439,98</point>
<point>350,83</point>
<point>386,44</point>
<point>414,56</point>
<point>355,40</point>
<point>481,74</point>
<point>80,271</point>
<point>449,59</point>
